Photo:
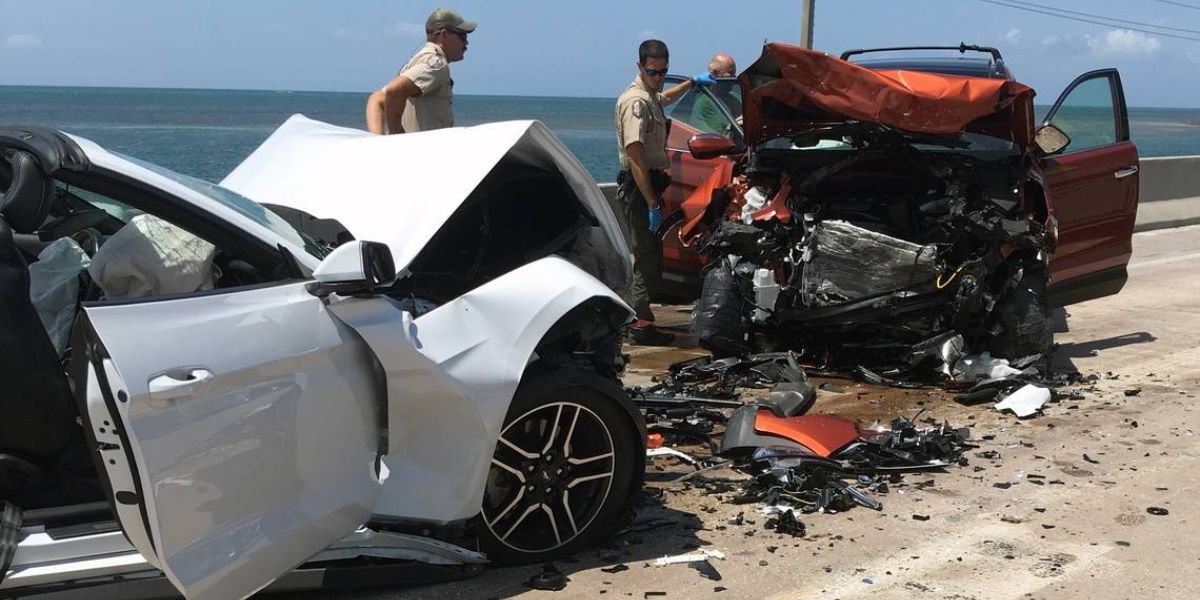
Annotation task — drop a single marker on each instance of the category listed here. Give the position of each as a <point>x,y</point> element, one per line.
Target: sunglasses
<point>655,72</point>
<point>461,34</point>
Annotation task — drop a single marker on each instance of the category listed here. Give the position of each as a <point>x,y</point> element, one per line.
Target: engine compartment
<point>857,242</point>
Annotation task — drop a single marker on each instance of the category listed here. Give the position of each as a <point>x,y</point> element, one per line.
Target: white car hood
<point>401,189</point>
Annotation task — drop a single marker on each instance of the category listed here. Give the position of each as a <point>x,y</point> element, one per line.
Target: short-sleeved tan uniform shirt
<point>640,119</point>
<point>430,71</point>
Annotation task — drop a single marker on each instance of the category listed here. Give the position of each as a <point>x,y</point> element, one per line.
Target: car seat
<point>37,415</point>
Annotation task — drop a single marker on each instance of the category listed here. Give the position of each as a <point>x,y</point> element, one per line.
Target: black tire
<point>1024,318</point>
<point>591,422</point>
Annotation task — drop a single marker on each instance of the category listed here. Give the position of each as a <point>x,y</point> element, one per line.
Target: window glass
<point>247,207</point>
<point>701,113</point>
<point>115,208</point>
<point>1087,116</point>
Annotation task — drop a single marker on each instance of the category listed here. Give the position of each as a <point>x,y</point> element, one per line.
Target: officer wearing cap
<point>419,97</point>
<point>642,150</point>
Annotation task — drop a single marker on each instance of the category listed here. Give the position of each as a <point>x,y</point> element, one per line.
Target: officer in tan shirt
<point>419,97</point>
<point>642,150</point>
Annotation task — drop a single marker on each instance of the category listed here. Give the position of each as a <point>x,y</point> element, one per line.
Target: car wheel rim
<point>550,476</point>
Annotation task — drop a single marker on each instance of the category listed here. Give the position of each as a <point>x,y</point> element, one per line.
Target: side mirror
<point>1051,140</point>
<point>356,267</point>
<point>710,145</point>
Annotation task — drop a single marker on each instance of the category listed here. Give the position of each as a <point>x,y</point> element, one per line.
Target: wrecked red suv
<point>876,210</point>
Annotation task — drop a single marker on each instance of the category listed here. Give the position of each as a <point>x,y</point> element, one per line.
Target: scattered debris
<point>1133,391</point>
<point>1157,511</point>
<point>1026,401</point>
<point>678,559</point>
<point>787,523</point>
<point>1089,459</point>
<point>615,568</point>
<point>655,452</point>
<point>920,517</point>
<point>803,460</point>
<point>549,579</point>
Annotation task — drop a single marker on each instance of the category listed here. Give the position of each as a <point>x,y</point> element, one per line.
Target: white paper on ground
<point>1025,401</point>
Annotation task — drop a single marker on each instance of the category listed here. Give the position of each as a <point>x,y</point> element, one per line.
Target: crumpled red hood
<point>790,89</point>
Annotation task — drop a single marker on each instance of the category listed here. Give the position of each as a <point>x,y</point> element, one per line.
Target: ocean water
<point>206,133</point>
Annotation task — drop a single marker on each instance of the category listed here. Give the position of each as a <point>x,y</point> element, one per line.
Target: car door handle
<point>1125,172</point>
<point>178,382</point>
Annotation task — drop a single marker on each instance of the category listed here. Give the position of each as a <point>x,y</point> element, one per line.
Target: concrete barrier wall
<point>1169,194</point>
<point>1169,177</point>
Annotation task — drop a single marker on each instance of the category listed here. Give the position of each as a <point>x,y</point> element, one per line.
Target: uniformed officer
<point>419,97</point>
<point>642,150</point>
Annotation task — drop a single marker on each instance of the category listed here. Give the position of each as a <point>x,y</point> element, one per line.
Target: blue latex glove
<point>703,79</point>
<point>656,218</point>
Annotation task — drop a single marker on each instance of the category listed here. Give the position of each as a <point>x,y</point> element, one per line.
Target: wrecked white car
<point>237,403</point>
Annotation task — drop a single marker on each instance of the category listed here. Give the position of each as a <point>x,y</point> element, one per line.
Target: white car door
<point>239,430</point>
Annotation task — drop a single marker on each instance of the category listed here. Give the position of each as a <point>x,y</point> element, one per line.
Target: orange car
<point>864,208</point>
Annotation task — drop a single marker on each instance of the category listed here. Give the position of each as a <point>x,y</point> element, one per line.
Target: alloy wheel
<point>550,476</point>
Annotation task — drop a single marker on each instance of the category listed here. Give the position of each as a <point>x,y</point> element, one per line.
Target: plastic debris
<point>1157,511</point>
<point>655,452</point>
<point>1026,401</point>
<point>549,579</point>
<point>679,559</point>
<point>787,523</point>
<point>985,366</point>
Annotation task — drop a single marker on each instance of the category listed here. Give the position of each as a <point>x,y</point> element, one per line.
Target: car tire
<point>1024,318</point>
<point>567,468</point>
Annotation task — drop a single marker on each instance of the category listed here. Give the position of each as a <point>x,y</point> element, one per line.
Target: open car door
<point>708,109</point>
<point>1093,188</point>
<point>238,430</point>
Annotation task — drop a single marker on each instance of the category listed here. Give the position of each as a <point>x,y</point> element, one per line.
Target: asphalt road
<point>1083,533</point>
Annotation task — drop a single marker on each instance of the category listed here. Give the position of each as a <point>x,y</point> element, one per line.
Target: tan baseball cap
<point>444,18</point>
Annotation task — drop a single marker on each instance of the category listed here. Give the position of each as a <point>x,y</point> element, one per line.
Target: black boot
<point>650,336</point>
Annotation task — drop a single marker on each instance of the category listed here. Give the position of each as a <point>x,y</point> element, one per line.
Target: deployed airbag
<point>54,288</point>
<point>151,257</point>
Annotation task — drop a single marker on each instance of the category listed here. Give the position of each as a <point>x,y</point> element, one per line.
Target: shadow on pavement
<point>1080,350</point>
<point>657,531</point>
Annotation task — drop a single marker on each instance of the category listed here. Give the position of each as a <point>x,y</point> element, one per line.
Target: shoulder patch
<point>435,62</point>
<point>638,111</point>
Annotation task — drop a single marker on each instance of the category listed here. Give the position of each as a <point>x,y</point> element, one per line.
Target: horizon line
<point>220,89</point>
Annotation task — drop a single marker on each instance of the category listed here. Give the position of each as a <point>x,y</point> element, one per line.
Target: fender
<point>448,392</point>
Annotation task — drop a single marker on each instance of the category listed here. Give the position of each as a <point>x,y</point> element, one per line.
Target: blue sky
<point>557,47</point>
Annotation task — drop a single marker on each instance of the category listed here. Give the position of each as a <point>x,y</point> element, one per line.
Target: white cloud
<point>1123,43</point>
<point>1013,36</point>
<point>1066,44</point>
<point>22,40</point>
<point>408,29</point>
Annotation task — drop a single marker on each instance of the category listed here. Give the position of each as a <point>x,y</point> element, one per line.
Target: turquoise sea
<point>206,133</point>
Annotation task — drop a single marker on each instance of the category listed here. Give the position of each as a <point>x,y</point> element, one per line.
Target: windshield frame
<point>246,207</point>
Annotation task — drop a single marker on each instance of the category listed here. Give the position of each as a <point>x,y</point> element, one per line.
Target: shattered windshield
<point>243,205</point>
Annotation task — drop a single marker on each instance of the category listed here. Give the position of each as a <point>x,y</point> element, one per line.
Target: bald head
<point>722,65</point>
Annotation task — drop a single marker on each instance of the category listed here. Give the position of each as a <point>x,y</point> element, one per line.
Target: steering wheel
<point>89,239</point>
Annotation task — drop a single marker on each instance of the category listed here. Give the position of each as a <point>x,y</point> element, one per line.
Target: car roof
<point>964,66</point>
